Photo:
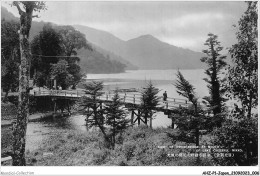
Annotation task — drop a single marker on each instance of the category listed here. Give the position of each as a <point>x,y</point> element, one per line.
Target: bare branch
<point>35,16</point>
<point>15,3</point>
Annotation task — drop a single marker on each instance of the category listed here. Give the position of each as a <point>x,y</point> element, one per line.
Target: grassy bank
<point>135,147</point>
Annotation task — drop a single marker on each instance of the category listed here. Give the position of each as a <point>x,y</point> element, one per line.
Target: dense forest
<point>96,62</point>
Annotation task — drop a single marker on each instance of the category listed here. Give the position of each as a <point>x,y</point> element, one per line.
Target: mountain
<point>107,60</point>
<point>152,53</point>
<point>6,15</point>
<point>96,62</point>
<point>146,51</point>
<point>113,56</point>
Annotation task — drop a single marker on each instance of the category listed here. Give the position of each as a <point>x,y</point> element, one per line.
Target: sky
<point>183,24</point>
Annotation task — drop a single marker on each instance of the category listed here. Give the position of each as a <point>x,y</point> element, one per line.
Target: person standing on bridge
<point>165,96</point>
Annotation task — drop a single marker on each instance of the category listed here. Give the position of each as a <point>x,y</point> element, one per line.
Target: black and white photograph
<point>129,83</point>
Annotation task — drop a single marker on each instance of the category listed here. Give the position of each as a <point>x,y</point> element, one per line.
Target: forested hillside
<point>96,61</point>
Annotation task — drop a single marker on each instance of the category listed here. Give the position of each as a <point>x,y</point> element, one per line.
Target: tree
<point>60,72</point>
<point>242,85</point>
<point>149,101</point>
<point>73,40</point>
<point>115,117</point>
<point>46,46</point>
<point>243,74</point>
<point>91,107</point>
<point>215,62</point>
<point>242,134</point>
<point>191,118</point>
<point>10,56</point>
<point>19,131</point>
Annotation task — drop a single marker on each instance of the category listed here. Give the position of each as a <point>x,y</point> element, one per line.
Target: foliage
<point>48,44</point>
<point>115,117</point>
<point>75,70</point>
<point>54,42</point>
<point>149,100</point>
<point>192,118</point>
<point>91,108</point>
<point>139,148</point>
<point>243,75</point>
<point>73,40</point>
<point>35,6</point>
<point>184,88</point>
<point>10,54</point>
<point>216,63</point>
<point>93,90</point>
<point>242,134</point>
<point>241,130</point>
<point>60,72</point>
<point>95,62</point>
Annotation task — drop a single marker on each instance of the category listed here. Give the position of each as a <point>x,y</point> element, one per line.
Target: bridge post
<point>145,117</point>
<point>139,116</point>
<point>172,117</point>
<point>132,117</point>
<point>68,104</point>
<point>134,99</point>
<point>87,122</point>
<point>151,120</point>
<point>102,118</point>
<point>55,106</point>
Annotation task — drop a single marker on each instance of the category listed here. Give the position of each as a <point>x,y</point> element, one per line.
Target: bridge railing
<point>133,98</point>
<point>66,93</point>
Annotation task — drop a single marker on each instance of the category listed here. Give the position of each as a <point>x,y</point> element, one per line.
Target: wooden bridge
<point>127,97</point>
<point>131,100</point>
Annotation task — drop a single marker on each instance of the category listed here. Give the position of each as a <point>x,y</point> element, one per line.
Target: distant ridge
<point>145,51</point>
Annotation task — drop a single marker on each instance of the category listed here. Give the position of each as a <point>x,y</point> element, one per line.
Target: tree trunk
<point>6,96</point>
<point>19,131</point>
<point>151,120</point>
<point>197,134</point>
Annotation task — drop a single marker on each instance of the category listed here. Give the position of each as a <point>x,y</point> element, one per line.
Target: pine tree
<point>91,108</point>
<point>149,101</point>
<point>191,118</point>
<point>215,62</point>
<point>115,117</point>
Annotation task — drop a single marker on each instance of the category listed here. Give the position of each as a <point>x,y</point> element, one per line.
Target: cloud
<point>183,24</point>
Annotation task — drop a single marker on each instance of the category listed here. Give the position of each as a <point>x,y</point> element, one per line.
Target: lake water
<point>162,79</point>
